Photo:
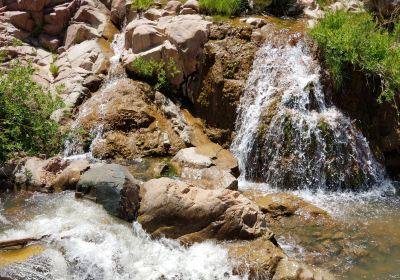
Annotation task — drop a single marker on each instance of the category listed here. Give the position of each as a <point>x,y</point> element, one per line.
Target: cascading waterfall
<point>287,134</point>
<point>72,146</point>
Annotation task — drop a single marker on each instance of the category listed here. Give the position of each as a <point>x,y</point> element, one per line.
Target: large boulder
<point>179,37</point>
<point>112,186</point>
<point>177,210</point>
<point>132,125</point>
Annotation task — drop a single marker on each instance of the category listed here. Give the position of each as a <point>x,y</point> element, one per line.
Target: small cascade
<point>287,134</point>
<point>86,243</point>
<point>72,146</point>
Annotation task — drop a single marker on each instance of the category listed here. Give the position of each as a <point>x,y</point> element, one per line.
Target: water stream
<point>289,138</point>
<point>87,243</point>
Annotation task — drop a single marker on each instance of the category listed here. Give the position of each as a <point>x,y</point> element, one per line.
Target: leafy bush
<point>223,7</point>
<point>156,71</point>
<point>356,39</point>
<point>25,109</point>
<point>141,5</point>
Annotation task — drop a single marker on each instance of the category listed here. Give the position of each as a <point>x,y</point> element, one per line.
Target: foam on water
<point>86,243</point>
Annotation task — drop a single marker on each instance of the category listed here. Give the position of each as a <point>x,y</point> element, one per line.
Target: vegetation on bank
<point>155,72</point>
<point>141,5</point>
<point>223,7</point>
<point>25,109</point>
<point>358,40</point>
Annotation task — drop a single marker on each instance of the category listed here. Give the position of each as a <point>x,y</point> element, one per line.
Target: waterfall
<point>72,146</point>
<point>288,136</point>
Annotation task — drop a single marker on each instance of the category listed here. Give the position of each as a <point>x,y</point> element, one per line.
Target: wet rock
<point>177,210</point>
<point>257,22</point>
<point>289,269</point>
<point>285,204</point>
<point>112,186</point>
<point>132,125</point>
<point>259,258</point>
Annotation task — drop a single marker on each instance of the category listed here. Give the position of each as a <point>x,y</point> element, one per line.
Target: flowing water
<point>72,146</point>
<point>289,138</point>
<point>287,134</point>
<point>86,243</point>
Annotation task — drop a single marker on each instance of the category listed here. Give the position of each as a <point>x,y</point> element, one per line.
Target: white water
<point>87,243</point>
<point>288,136</point>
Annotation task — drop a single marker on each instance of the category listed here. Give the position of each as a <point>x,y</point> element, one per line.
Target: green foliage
<point>223,7</point>
<point>156,71</point>
<point>141,5</point>
<point>356,39</point>
<point>16,42</point>
<point>25,109</point>
<point>53,69</point>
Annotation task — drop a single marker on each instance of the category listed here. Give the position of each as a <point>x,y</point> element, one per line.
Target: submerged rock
<point>178,210</point>
<point>112,186</point>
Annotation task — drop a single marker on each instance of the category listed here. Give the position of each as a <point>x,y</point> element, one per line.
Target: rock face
<point>216,88</point>
<point>112,186</point>
<point>46,18</point>
<point>379,123</point>
<point>129,124</point>
<point>177,210</point>
<point>180,38</point>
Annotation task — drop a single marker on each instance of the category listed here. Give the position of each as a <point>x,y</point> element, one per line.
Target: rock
<point>177,210</point>
<point>79,32</point>
<point>69,177</point>
<point>152,14</point>
<point>173,7</point>
<point>285,204</point>
<point>146,37</point>
<point>258,258</point>
<point>118,11</point>
<point>289,269</point>
<point>180,38</point>
<point>211,178</point>
<point>51,43</point>
<point>133,126</point>
<point>192,4</point>
<point>257,22</point>
<point>215,89</point>
<point>54,174</point>
<point>113,187</point>
<point>205,156</point>
<point>187,11</point>
<point>21,20</point>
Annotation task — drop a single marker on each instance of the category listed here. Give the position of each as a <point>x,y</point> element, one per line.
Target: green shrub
<point>53,69</point>
<point>25,109</point>
<point>223,7</point>
<point>155,71</point>
<point>141,5</point>
<point>350,39</point>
